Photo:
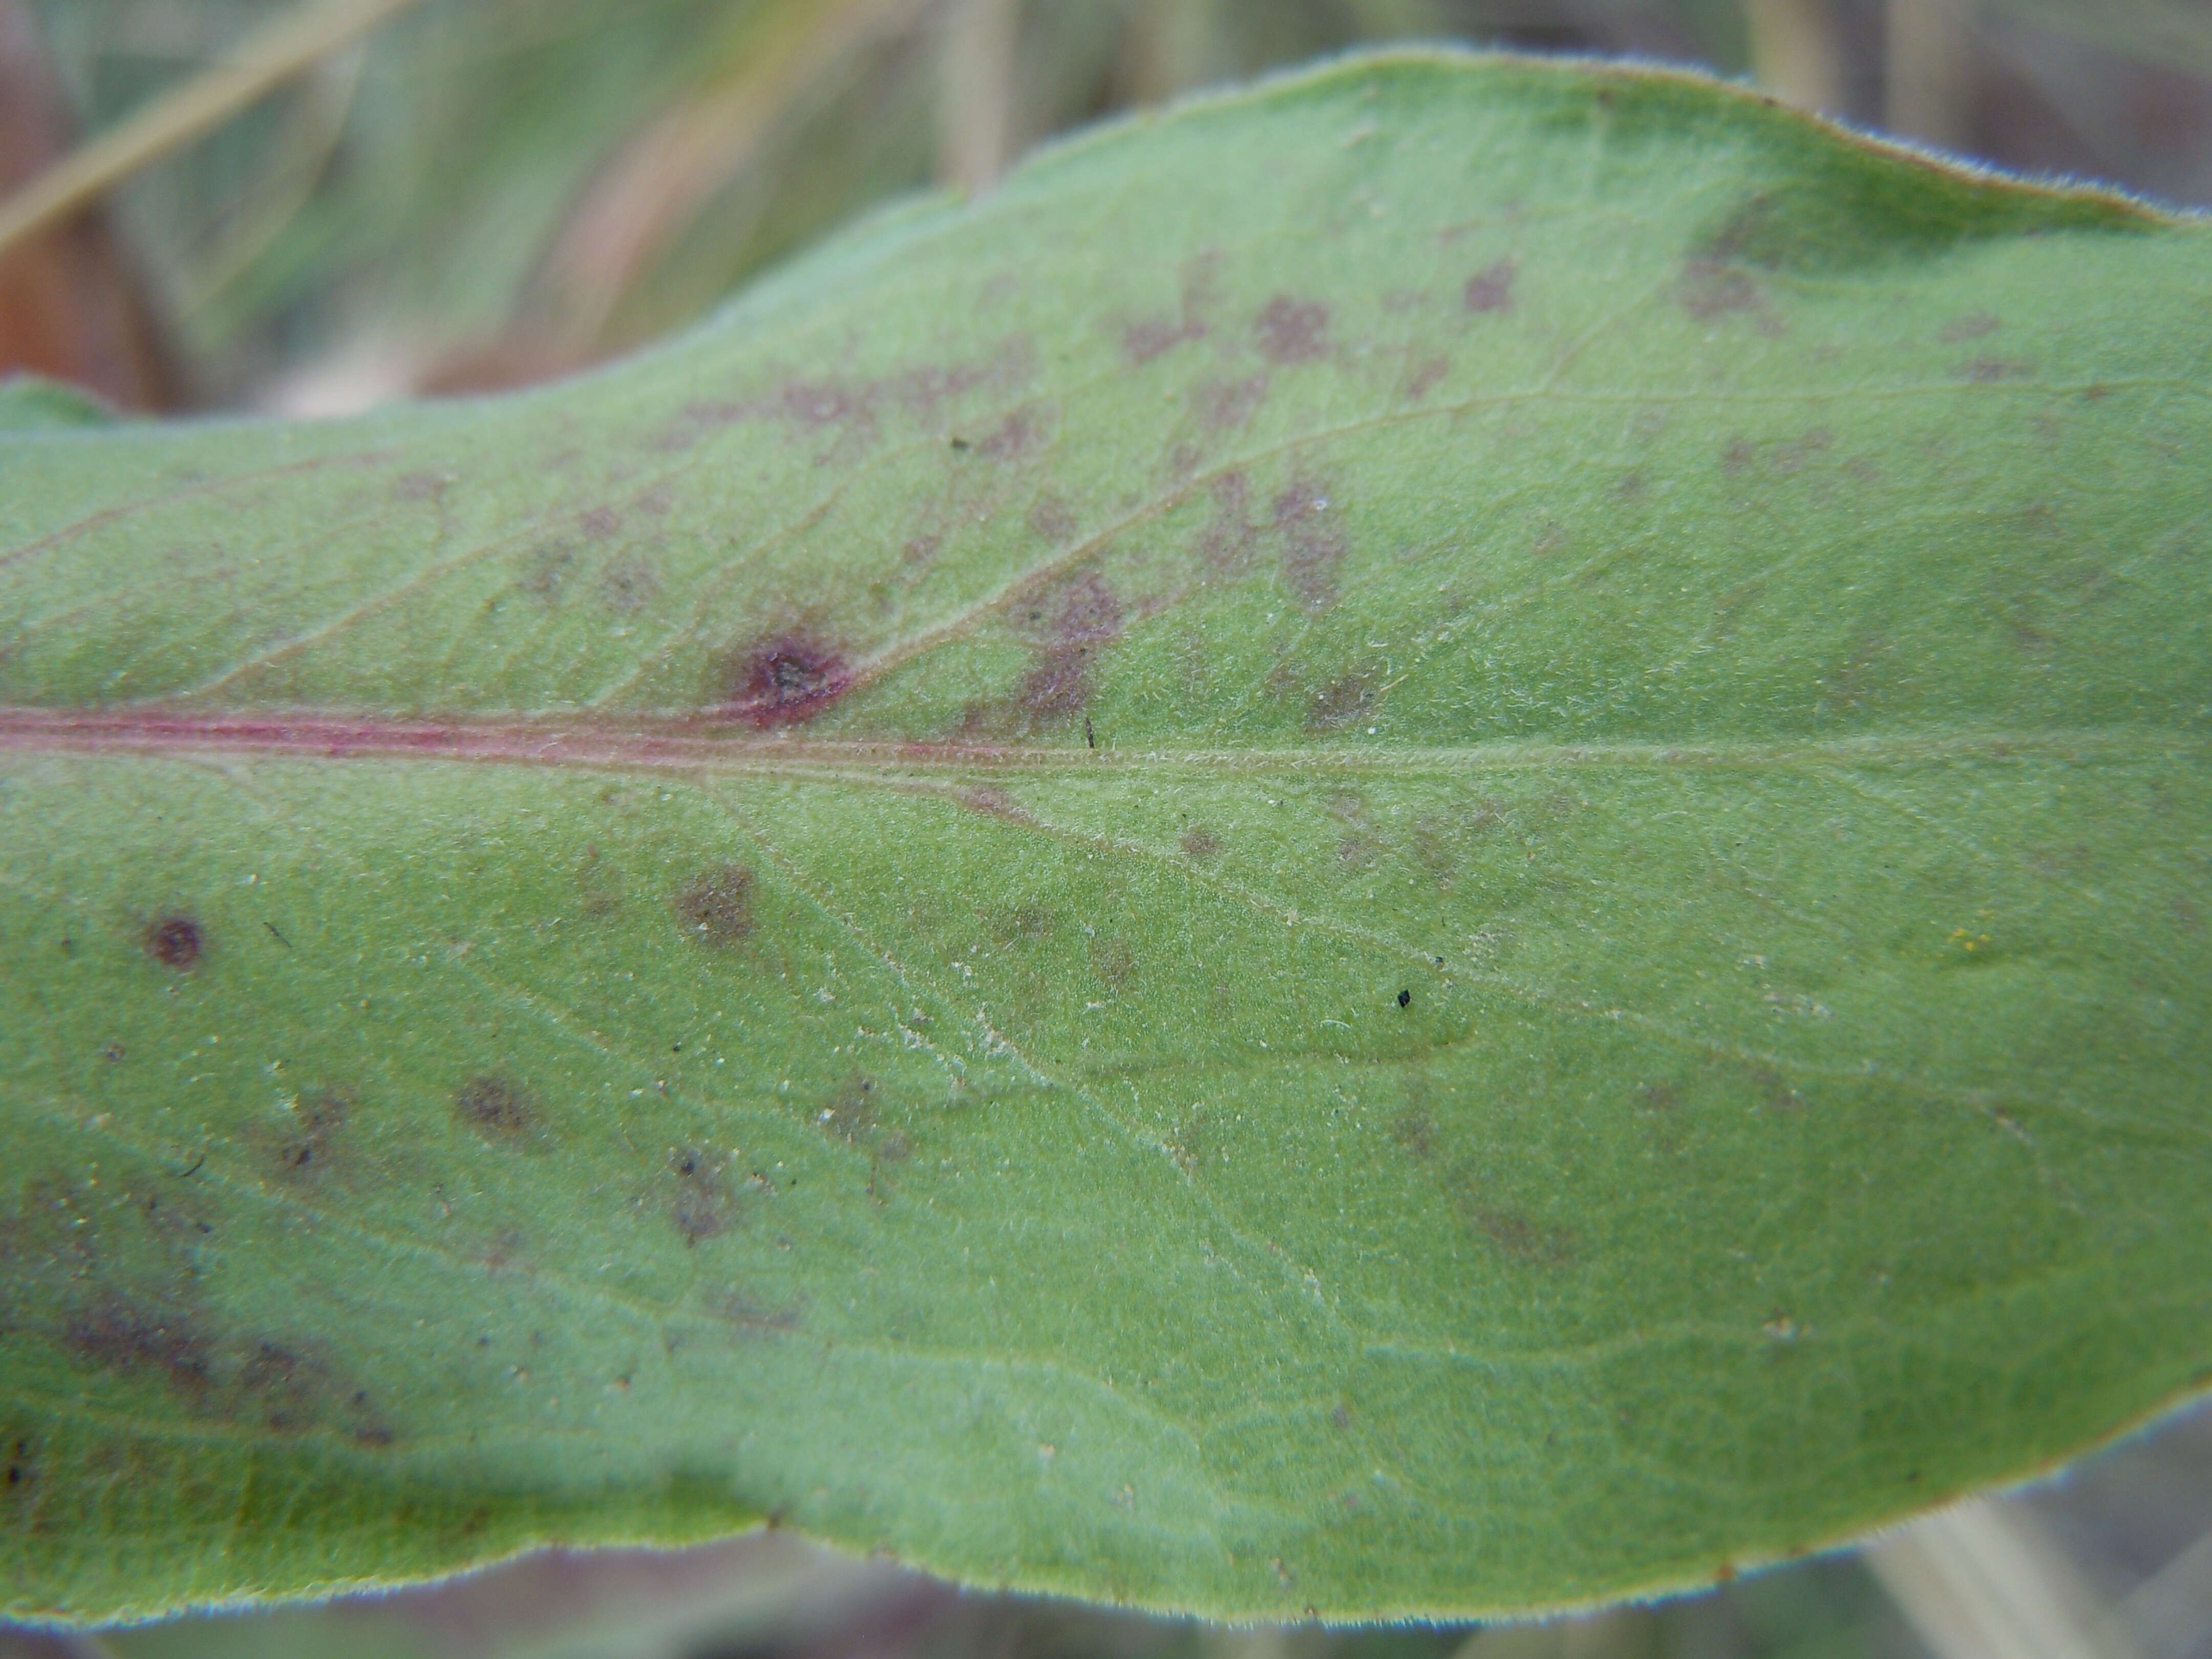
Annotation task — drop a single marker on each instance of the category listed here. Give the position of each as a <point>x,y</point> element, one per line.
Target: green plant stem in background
<point>1424,842</point>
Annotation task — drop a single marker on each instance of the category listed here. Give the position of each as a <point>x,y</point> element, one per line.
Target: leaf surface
<point>1428,843</point>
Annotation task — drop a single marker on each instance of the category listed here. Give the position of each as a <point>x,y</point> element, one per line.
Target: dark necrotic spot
<point>1404,999</point>
<point>496,1108</point>
<point>786,681</point>
<point>1339,703</point>
<point>304,1152</point>
<point>717,907</point>
<point>174,941</point>
<point>702,1205</point>
<point>19,1466</point>
<point>283,1386</point>
<point>1490,288</point>
<point>1292,330</point>
<point>118,1336</point>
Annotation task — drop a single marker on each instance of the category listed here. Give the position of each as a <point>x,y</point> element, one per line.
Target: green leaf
<point>1428,843</point>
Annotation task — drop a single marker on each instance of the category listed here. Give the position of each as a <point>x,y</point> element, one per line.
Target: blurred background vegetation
<point>372,198</point>
<point>312,206</point>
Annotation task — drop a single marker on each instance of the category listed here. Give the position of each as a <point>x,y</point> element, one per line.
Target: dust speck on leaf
<point>175,941</point>
<point>716,906</point>
<point>784,681</point>
<point>1490,288</point>
<point>500,1109</point>
<point>1291,331</point>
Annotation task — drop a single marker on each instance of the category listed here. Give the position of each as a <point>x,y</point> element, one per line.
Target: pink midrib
<point>585,743</point>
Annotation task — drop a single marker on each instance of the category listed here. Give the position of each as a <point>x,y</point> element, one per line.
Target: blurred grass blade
<point>1795,53</point>
<point>1981,1580</point>
<point>266,58</point>
<point>976,118</point>
<point>73,305</point>
<point>642,199</point>
<point>1927,71</point>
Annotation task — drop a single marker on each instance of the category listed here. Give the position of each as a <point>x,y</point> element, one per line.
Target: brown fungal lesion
<point>784,681</point>
<point>715,907</point>
<point>176,941</point>
<point>702,1205</point>
<point>497,1108</point>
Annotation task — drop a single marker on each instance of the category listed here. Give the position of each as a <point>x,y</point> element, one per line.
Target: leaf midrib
<point>591,744</point>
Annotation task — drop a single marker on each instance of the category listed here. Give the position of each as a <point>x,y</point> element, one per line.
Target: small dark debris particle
<point>494,1108</point>
<point>1404,999</point>
<point>1089,736</point>
<point>174,942</point>
<point>111,1052</point>
<point>716,909</point>
<point>276,935</point>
